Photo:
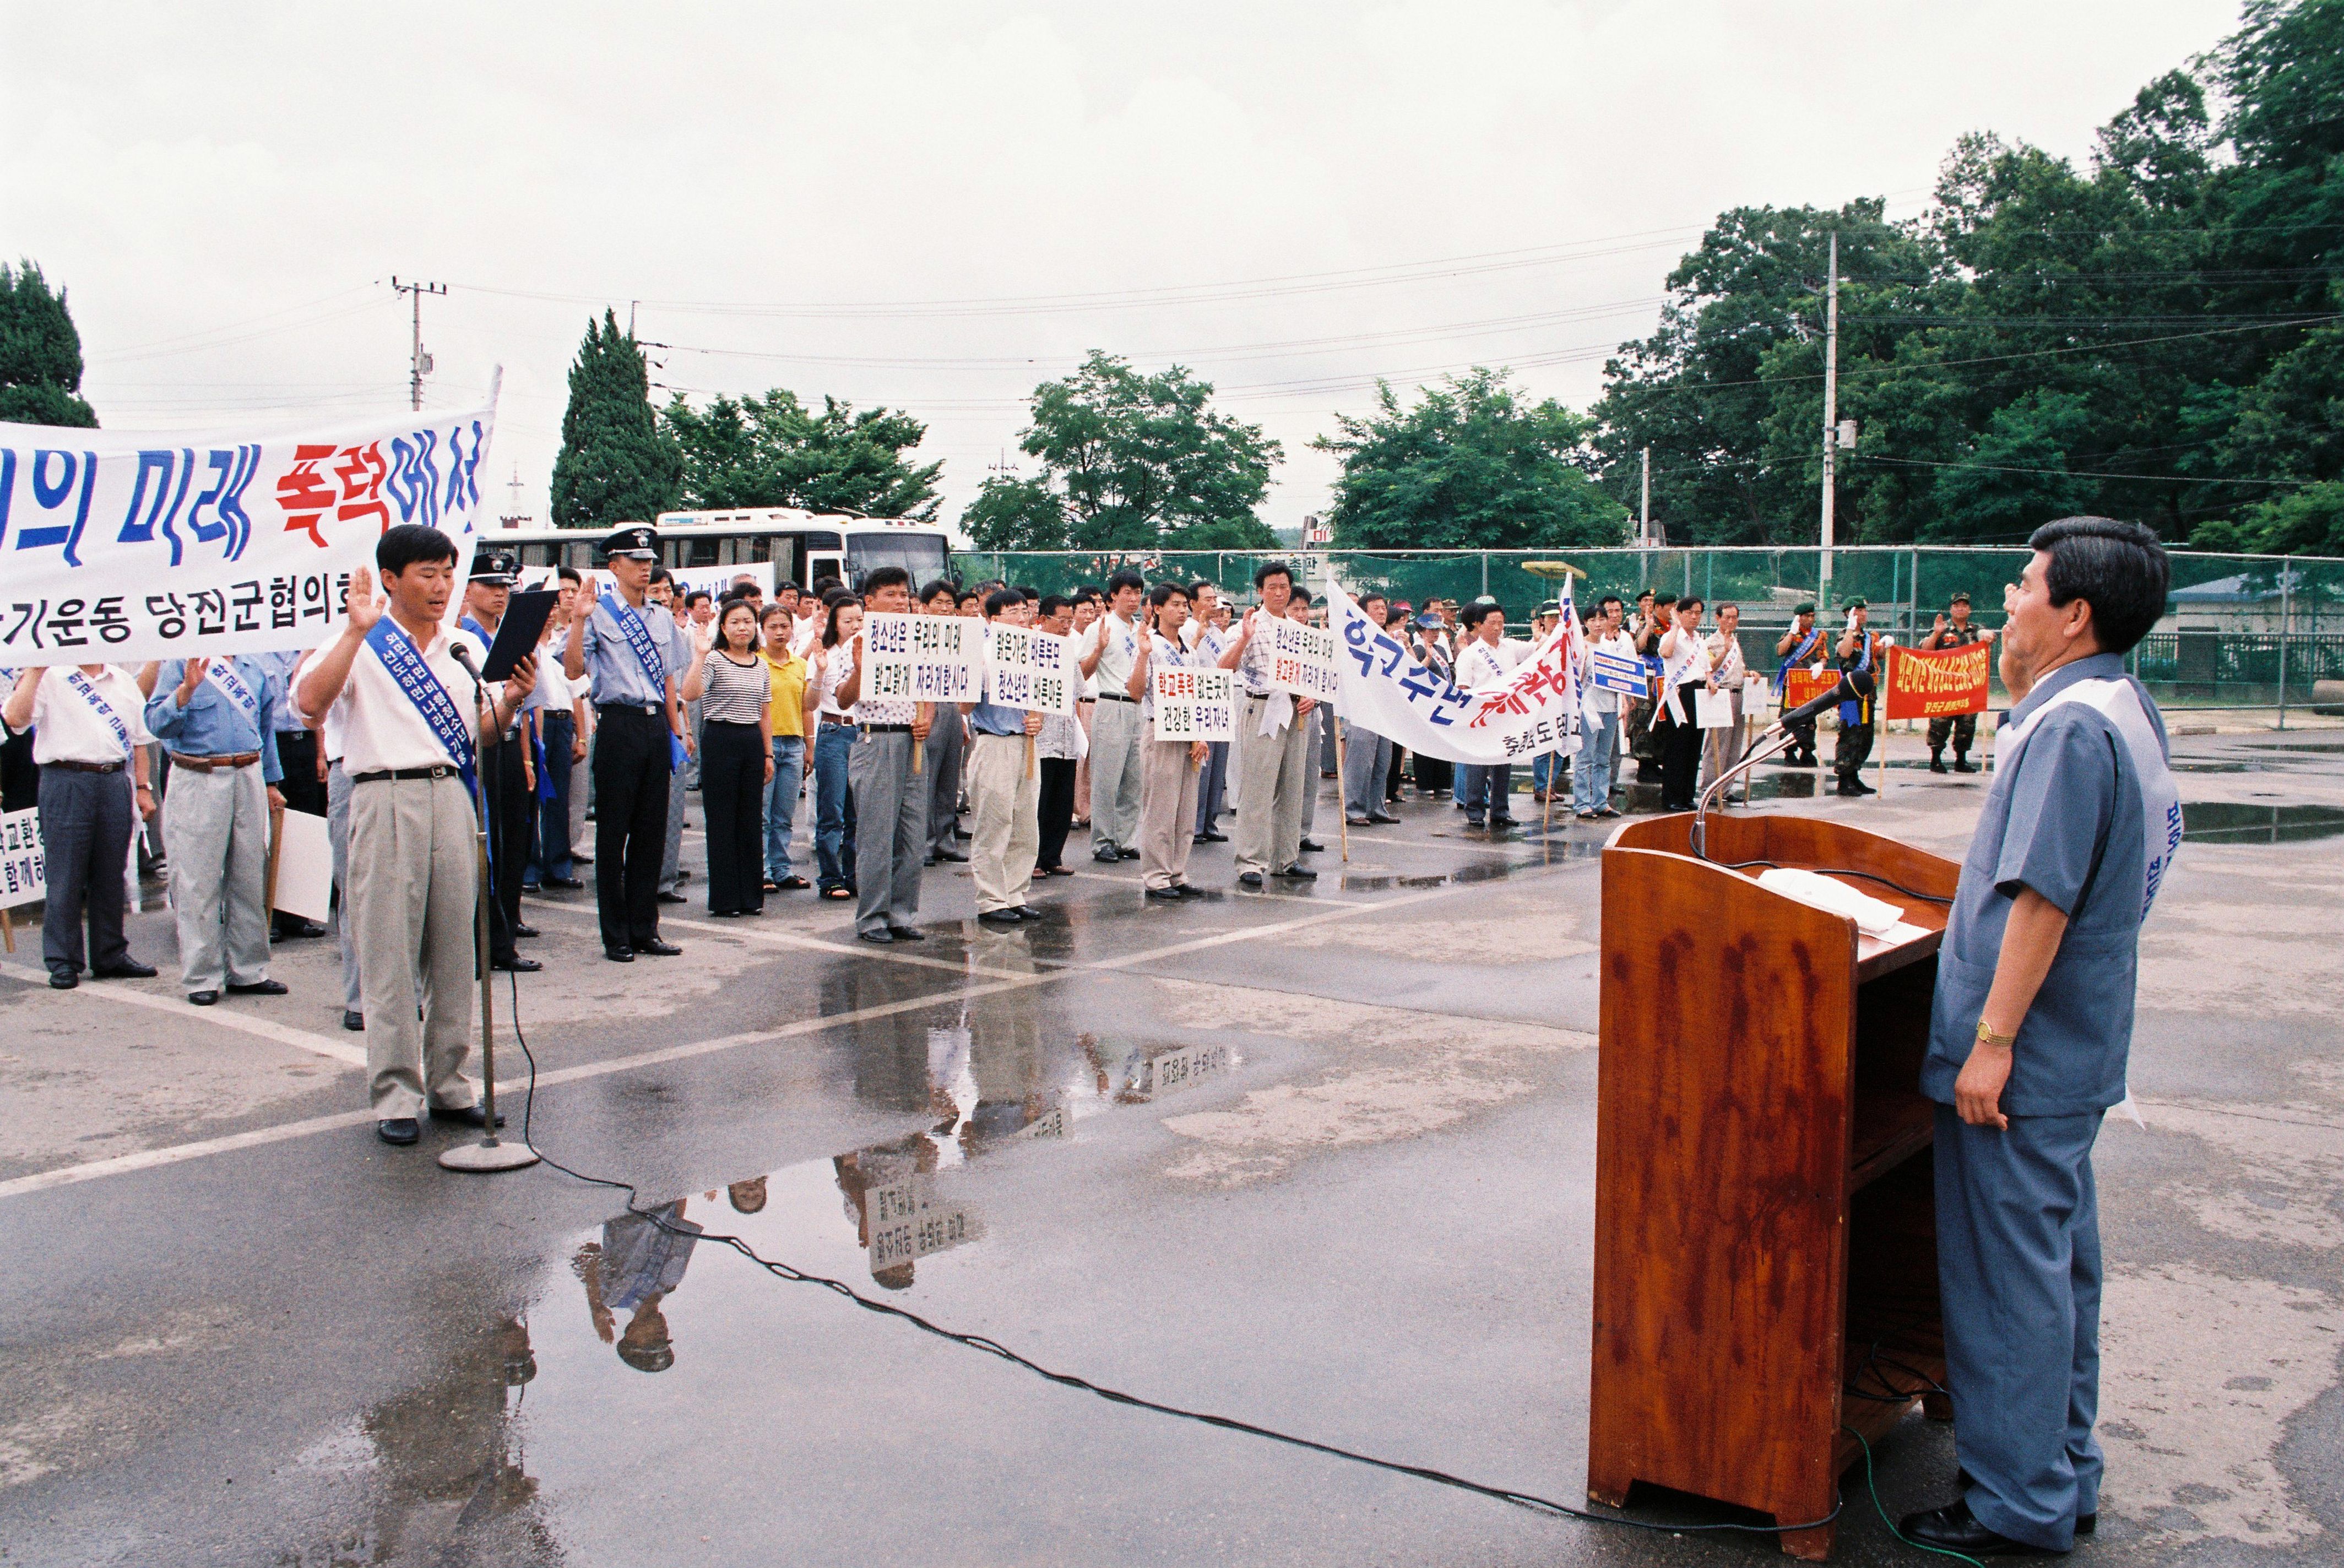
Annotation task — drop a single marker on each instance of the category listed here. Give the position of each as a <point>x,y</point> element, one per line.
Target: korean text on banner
<point>922,658</point>
<point>23,874</point>
<point>1803,685</point>
<point>1932,686</point>
<point>1387,691</point>
<point>1302,660</point>
<point>1617,672</point>
<point>1035,671</point>
<point>1195,704</point>
<point>124,546</point>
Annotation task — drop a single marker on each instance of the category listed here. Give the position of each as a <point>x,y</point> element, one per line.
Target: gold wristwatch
<point>1987,1036</point>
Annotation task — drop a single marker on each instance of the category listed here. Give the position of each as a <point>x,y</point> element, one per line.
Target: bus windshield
<point>921,554</point>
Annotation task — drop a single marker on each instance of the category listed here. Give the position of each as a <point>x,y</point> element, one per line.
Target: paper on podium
<point>305,867</point>
<point>1872,917</point>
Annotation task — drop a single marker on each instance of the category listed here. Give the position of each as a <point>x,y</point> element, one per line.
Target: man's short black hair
<point>1053,603</point>
<point>1269,569</point>
<point>1087,594</point>
<point>971,597</point>
<point>409,543</point>
<point>880,577</point>
<point>825,584</point>
<point>1161,595</point>
<point>566,574</point>
<point>1479,612</point>
<point>696,595</point>
<point>1607,598</point>
<point>787,585</point>
<point>944,585</point>
<point>1374,596</point>
<point>1199,587</point>
<point>1027,589</point>
<point>2118,567</point>
<point>1127,578</point>
<point>1301,595</point>
<point>1690,601</point>
<point>1002,599</point>
<point>662,574</point>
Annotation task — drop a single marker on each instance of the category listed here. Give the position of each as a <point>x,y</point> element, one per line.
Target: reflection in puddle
<point>637,1264</point>
<point>2233,822</point>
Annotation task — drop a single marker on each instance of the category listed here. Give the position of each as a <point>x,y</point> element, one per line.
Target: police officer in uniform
<point>1953,630</point>
<point>636,652</point>
<point>1799,648</point>
<point>504,783</point>
<point>1859,652</point>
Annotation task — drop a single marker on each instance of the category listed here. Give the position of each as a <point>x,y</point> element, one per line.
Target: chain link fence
<point>2242,632</point>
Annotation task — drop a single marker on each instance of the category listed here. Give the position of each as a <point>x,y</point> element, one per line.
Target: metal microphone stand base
<point>488,1154</point>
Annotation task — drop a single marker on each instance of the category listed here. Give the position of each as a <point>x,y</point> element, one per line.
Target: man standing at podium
<point>2030,1029</point>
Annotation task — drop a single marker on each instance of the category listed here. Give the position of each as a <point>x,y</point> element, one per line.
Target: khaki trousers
<point>216,831</point>
<point>1273,770</point>
<point>1008,835</point>
<point>413,860</point>
<point>1168,812</point>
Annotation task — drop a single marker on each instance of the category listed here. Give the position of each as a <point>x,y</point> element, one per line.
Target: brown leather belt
<point>85,767</point>
<point>212,764</point>
<point>834,719</point>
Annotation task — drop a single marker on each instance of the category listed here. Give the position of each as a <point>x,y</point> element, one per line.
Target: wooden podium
<point>1765,1233</point>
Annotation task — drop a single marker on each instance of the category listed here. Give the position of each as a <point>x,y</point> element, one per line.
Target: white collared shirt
<point>1117,641</point>
<point>1481,665</point>
<point>66,729</point>
<point>380,728</point>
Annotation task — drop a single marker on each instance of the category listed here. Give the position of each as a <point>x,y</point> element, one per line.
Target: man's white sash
<point>2160,797</point>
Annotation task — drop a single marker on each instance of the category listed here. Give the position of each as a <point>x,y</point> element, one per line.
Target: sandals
<point>791,884</point>
<point>838,893</point>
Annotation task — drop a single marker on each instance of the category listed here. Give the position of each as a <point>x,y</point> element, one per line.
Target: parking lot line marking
<point>245,1023</point>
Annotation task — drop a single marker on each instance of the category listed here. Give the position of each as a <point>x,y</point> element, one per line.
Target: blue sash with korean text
<point>221,672</point>
<point>1797,656</point>
<point>89,693</point>
<point>647,655</point>
<point>422,687</point>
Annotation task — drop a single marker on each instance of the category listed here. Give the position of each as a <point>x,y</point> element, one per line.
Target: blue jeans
<point>782,803</point>
<point>550,853</point>
<point>1485,788</point>
<point>834,806</point>
<point>1591,769</point>
<point>1541,770</point>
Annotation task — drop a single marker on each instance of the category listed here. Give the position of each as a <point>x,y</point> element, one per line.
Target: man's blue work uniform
<point>2018,1243</point>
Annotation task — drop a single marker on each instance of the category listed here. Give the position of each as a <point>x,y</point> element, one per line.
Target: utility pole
<point>422,364</point>
<point>1645,526</point>
<point>1831,412</point>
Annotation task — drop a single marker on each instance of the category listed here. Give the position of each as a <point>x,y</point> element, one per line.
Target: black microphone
<point>1854,686</point>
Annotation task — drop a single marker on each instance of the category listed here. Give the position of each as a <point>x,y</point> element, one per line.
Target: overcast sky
<point>939,206</point>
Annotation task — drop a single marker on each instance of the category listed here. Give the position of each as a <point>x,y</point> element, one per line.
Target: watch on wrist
<point>1986,1035</point>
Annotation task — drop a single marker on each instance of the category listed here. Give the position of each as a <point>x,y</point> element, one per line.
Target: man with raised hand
<point>404,704</point>
<point>891,803</point>
<point>1107,656</point>
<point>1273,744</point>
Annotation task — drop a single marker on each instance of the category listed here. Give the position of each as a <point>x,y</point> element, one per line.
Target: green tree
<point>775,451</point>
<point>1011,513</point>
<point>40,353</point>
<point>615,465</point>
<point>1135,462</point>
<point>1469,466</point>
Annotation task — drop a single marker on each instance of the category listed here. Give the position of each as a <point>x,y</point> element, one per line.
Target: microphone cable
<point>994,1348</point>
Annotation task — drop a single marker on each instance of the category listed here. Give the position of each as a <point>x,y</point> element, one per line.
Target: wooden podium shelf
<point>1766,1240</point>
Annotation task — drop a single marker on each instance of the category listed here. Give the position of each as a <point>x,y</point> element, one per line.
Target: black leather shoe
<point>567,884</point>
<point>353,1020</point>
<point>256,988</point>
<point>1311,847</point>
<point>1509,822</point>
<point>907,934</point>
<point>1381,819</point>
<point>1937,765</point>
<point>129,969</point>
<point>619,955</point>
<point>1298,872</point>
<point>1186,891</point>
<point>296,928</point>
<point>524,931</point>
<point>656,948</point>
<point>879,934</point>
<point>399,1130</point>
<point>1164,895</point>
<point>63,979</point>
<point>1250,879</point>
<point>514,964</point>
<point>1964,765</point>
<point>1027,912</point>
<point>2085,1524</point>
<point>203,998</point>
<point>1106,856</point>
<point>1953,1528</point>
<point>1212,838</point>
<point>671,896</point>
<point>952,854</point>
<point>1126,854</point>
<point>469,1115</point>
<point>999,918</point>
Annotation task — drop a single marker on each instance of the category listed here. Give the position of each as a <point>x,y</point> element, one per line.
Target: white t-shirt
<point>380,729</point>
<point>838,665</point>
<point>1118,643</point>
<point>67,728</point>
<point>1481,665</point>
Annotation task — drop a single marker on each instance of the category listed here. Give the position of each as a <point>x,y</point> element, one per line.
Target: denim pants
<point>1485,788</point>
<point>1541,770</point>
<point>833,806</point>
<point>1591,769</point>
<point>782,803</point>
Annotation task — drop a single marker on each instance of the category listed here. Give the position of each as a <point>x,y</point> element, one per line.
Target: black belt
<point>443,771</point>
<point>74,767</point>
<point>647,709</point>
<point>887,729</point>
<point>1116,697</point>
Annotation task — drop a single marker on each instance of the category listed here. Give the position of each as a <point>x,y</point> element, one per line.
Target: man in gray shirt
<point>2029,1033</point>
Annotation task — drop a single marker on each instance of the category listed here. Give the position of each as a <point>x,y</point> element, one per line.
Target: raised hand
<point>192,677</point>
<point>363,605</point>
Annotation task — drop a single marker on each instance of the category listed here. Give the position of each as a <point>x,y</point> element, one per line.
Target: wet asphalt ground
<point>1319,1158</point>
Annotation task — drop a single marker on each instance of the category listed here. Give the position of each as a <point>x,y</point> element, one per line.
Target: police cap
<point>494,568</point>
<point>636,540</point>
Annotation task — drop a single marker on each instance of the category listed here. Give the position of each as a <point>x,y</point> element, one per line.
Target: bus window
<point>921,554</point>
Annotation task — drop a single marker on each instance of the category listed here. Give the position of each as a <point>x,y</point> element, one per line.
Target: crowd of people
<point>638,696</point>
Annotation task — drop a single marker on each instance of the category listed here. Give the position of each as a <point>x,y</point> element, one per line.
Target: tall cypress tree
<point>615,464</point>
<point>40,353</point>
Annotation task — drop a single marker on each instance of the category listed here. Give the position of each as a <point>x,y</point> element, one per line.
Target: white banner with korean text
<point>1388,690</point>
<point>1195,704</point>
<point>122,546</point>
<point>1035,671</point>
<point>922,658</point>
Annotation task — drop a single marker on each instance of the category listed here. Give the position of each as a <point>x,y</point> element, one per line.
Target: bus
<point>800,545</point>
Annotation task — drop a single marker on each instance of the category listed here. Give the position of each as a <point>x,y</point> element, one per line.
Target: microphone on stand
<point>1855,685</point>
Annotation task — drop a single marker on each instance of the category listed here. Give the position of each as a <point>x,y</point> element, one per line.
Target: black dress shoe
<point>1027,912</point>
<point>655,947</point>
<point>1310,846</point>
<point>1509,822</point>
<point>1964,765</point>
<point>1196,838</point>
<point>353,1020</point>
<point>619,955</point>
<point>1250,879</point>
<point>999,918</point>
<point>256,988</point>
<point>398,1129</point>
<point>2085,1524</point>
<point>877,934</point>
<point>1126,854</point>
<point>1212,838</point>
<point>1953,1528</point>
<point>203,998</point>
<point>129,969</point>
<point>1106,856</point>
<point>63,979</point>
<point>1937,765</point>
<point>567,884</point>
<point>952,854</point>
<point>1298,872</point>
<point>469,1115</point>
<point>1381,819</point>
<point>1186,891</point>
<point>907,934</point>
<point>296,928</point>
<point>514,964</point>
<point>525,931</point>
<point>1164,895</point>
<point>671,896</point>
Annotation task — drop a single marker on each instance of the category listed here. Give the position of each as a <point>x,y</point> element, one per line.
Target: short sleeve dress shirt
<point>68,728</point>
<point>611,659</point>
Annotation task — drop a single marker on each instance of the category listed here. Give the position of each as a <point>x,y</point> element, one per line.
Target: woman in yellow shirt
<point>788,674</point>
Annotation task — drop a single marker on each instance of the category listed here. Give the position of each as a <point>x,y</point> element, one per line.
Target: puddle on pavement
<point>2297,745</point>
<point>2236,821</point>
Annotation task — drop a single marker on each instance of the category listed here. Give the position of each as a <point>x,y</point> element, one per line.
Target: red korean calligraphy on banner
<point>1933,685</point>
<point>1804,684</point>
